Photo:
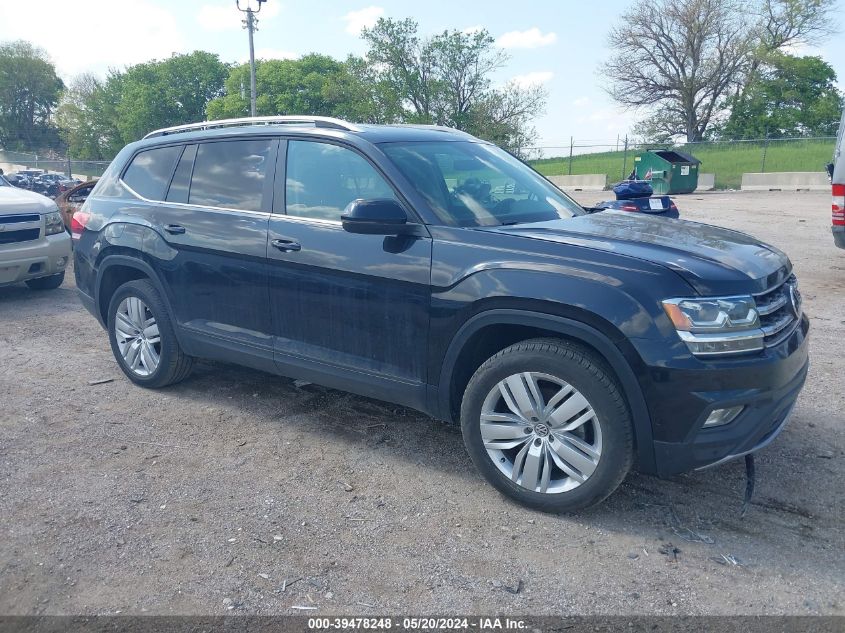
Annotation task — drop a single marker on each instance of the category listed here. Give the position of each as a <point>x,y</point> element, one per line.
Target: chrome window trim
<point>188,205</point>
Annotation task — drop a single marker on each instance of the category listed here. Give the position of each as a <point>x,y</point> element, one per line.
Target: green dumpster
<point>670,170</point>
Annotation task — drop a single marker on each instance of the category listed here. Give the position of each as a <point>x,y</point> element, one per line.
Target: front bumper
<point>43,257</point>
<point>681,397</point>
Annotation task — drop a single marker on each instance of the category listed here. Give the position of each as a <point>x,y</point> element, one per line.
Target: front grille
<point>19,218</point>
<point>24,235</point>
<point>780,310</point>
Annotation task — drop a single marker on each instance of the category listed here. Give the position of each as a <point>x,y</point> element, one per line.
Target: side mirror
<point>382,216</point>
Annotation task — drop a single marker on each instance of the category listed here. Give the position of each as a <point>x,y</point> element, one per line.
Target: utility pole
<point>251,23</point>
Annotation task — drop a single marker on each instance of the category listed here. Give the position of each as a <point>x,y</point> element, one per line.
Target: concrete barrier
<point>786,181</point>
<point>581,182</point>
<point>706,182</point>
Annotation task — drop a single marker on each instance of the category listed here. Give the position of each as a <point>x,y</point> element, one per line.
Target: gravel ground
<point>239,492</point>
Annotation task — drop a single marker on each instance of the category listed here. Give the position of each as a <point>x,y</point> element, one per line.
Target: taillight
<point>838,205</point>
<point>629,207</point>
<point>78,222</point>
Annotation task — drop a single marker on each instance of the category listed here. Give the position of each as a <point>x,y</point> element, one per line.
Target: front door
<point>350,310</point>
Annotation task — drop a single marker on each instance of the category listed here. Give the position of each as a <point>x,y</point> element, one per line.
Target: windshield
<point>476,184</point>
<point>4,182</point>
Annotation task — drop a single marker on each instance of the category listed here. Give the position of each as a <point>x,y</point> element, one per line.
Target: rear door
<point>215,216</point>
<point>353,309</point>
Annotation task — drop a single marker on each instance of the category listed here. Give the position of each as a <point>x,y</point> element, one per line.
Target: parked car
<point>657,206</point>
<point>71,200</point>
<point>18,180</point>
<point>637,196</point>
<point>58,183</point>
<point>378,260</point>
<point>836,171</point>
<point>34,246</point>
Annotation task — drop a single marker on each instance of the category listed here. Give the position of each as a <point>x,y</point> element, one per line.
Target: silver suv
<point>34,246</point>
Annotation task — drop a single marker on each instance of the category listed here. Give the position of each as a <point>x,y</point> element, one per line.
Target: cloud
<point>582,102</point>
<point>116,34</point>
<point>472,30</point>
<point>226,17</point>
<point>361,19</point>
<point>535,78</point>
<point>532,38</point>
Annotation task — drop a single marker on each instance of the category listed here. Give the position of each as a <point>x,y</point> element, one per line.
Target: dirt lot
<point>239,492</point>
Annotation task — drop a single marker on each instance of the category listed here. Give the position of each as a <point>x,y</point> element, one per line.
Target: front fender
<point>569,328</point>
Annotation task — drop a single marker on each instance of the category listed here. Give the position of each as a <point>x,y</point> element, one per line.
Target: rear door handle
<point>175,229</point>
<point>286,245</point>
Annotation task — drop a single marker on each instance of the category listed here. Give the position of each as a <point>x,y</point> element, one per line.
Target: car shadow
<point>695,510</point>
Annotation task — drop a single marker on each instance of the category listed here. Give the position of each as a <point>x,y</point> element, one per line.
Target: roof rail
<point>432,126</point>
<point>316,121</point>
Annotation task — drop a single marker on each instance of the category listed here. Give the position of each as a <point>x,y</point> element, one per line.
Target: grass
<point>727,160</point>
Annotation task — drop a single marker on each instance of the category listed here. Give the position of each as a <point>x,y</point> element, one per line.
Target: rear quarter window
<point>149,172</point>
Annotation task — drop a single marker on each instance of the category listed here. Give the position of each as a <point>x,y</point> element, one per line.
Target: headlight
<point>53,223</point>
<point>716,325</point>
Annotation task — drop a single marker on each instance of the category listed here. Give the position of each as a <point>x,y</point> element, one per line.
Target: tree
<point>782,23</point>
<point>792,96</point>
<point>682,62</point>
<point>447,80</point>
<point>314,84</point>
<point>170,92</point>
<point>29,91</point>
<point>679,59</point>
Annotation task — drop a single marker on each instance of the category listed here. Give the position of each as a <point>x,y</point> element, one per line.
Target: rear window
<point>231,174</point>
<point>149,172</point>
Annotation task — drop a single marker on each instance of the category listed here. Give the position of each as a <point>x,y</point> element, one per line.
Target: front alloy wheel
<point>546,423</point>
<point>541,432</point>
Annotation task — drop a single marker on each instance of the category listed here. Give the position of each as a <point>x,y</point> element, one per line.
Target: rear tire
<point>46,283</point>
<point>545,422</point>
<point>143,339</point>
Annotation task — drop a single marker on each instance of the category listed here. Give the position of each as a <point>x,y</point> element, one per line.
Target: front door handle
<point>286,245</point>
<point>175,229</point>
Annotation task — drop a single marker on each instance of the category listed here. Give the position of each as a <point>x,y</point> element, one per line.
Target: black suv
<point>423,266</point>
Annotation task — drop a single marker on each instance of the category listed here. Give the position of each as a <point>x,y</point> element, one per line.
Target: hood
<point>14,200</point>
<point>711,259</point>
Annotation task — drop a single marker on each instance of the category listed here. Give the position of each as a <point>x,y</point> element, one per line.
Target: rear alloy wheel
<point>142,337</point>
<point>545,422</point>
<point>137,336</point>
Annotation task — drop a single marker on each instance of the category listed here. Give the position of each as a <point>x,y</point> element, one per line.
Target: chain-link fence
<point>728,160</point>
<point>12,162</point>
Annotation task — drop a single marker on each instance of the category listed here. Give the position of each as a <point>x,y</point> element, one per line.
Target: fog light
<point>720,417</point>
<point>61,262</point>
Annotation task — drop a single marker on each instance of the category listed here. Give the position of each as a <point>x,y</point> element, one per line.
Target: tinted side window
<point>149,173</point>
<point>231,174</point>
<point>323,178</point>
<point>181,184</point>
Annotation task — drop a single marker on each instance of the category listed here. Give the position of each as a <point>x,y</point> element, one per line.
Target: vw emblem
<point>795,300</point>
<point>541,429</point>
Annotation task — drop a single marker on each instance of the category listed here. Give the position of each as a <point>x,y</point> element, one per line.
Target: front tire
<point>50,282</point>
<point>142,337</point>
<point>545,422</point>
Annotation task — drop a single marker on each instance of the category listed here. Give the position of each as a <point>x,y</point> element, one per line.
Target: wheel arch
<point>116,269</point>
<point>512,325</point>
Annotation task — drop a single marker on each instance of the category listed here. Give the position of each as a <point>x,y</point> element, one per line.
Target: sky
<point>558,43</point>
